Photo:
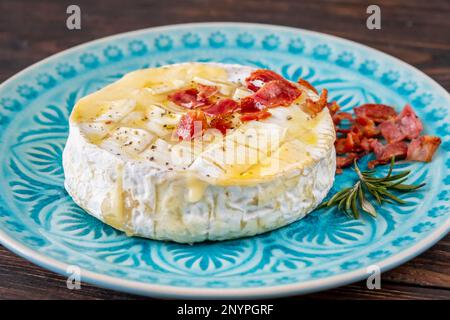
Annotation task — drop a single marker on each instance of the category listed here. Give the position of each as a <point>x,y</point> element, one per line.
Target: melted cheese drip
<point>113,206</point>
<point>195,189</point>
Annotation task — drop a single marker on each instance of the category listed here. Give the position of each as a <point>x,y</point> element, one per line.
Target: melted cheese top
<point>133,119</point>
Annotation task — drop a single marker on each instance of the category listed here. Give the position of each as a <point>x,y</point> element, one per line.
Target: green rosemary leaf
<point>360,174</point>
<point>366,205</point>
<point>338,196</point>
<point>354,205</point>
<point>373,191</point>
<point>391,167</point>
<point>368,172</point>
<point>387,200</point>
<point>407,187</point>
<point>350,200</point>
<point>341,205</point>
<point>391,196</point>
<point>390,184</point>
<point>387,179</point>
<point>398,176</point>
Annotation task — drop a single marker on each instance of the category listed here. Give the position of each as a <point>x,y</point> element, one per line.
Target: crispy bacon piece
<point>205,92</point>
<point>366,144</point>
<point>391,132</point>
<point>260,77</point>
<point>308,85</point>
<point>357,139</point>
<point>376,112</point>
<point>333,107</point>
<point>345,161</point>
<point>362,136</point>
<point>192,124</point>
<point>314,107</point>
<point>221,123</point>
<point>248,104</point>
<point>351,143</point>
<point>405,126</point>
<point>259,115</point>
<point>223,106</point>
<point>277,93</point>
<point>338,117</point>
<point>365,127</point>
<point>409,123</point>
<point>423,148</point>
<point>187,98</point>
<point>384,153</point>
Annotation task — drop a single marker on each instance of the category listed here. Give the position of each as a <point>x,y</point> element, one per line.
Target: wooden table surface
<point>415,31</point>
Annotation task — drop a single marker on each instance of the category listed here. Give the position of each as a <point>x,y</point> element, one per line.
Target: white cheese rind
<point>148,200</point>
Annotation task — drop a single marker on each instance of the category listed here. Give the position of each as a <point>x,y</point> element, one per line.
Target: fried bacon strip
<point>277,93</point>
<point>333,107</point>
<point>314,107</point>
<point>345,161</point>
<point>187,98</point>
<point>259,77</point>
<point>259,115</point>
<point>384,153</point>
<point>222,106</point>
<point>221,123</point>
<point>192,124</point>
<point>423,148</point>
<point>365,127</point>
<point>363,134</point>
<point>205,92</point>
<point>376,112</point>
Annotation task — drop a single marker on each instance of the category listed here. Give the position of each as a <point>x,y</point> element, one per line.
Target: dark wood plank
<point>20,279</point>
<point>391,291</point>
<point>431,269</point>
<point>413,30</point>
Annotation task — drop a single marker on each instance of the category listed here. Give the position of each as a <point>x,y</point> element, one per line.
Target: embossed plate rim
<point>163,291</point>
<point>269,291</point>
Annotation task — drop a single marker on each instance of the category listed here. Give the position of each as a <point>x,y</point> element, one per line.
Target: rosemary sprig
<point>352,199</point>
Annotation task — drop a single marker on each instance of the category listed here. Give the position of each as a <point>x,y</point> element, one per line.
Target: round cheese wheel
<point>132,160</point>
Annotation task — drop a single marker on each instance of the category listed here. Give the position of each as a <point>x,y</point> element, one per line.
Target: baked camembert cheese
<point>197,151</point>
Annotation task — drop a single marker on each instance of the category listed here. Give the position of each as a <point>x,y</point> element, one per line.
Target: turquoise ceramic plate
<point>40,222</point>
